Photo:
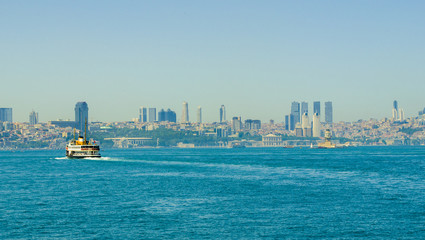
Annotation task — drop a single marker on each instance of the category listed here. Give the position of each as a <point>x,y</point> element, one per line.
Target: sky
<point>254,57</point>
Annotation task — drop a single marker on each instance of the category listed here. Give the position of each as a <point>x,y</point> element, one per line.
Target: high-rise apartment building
<point>185,113</point>
<point>396,111</point>
<point>316,125</point>
<point>166,116</point>
<point>171,116</point>
<point>305,122</point>
<point>401,115</point>
<point>295,111</point>
<point>222,113</point>
<point>316,107</point>
<point>248,124</point>
<point>33,118</point>
<point>152,115</point>
<point>6,115</point>
<point>237,124</point>
<point>143,114</point>
<point>328,112</point>
<point>162,116</point>
<point>199,114</point>
<point>81,116</point>
<point>256,124</point>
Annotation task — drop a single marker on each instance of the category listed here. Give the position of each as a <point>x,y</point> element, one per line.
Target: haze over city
<point>253,57</point>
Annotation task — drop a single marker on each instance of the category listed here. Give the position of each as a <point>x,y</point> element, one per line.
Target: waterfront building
<point>295,111</point>
<point>143,114</point>
<point>185,113</point>
<point>33,118</point>
<point>271,140</point>
<point>81,116</point>
<point>222,113</point>
<point>328,112</point>
<point>152,114</point>
<point>316,125</point>
<point>6,115</point>
<point>316,107</point>
<point>199,114</point>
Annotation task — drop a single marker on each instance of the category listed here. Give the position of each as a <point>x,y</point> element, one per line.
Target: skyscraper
<point>316,125</point>
<point>396,113</point>
<point>305,122</point>
<point>185,113</point>
<point>248,124</point>
<point>33,118</point>
<point>171,116</point>
<point>199,114</point>
<point>222,113</point>
<point>256,124</point>
<point>166,116</point>
<point>295,111</point>
<point>316,107</point>
<point>162,115</point>
<point>291,122</point>
<point>328,112</point>
<point>286,122</point>
<point>304,108</point>
<point>81,116</point>
<point>143,114</point>
<point>237,124</point>
<point>6,115</point>
<point>152,114</point>
<point>401,114</point>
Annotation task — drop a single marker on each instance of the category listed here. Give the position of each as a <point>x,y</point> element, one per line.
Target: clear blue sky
<point>255,57</point>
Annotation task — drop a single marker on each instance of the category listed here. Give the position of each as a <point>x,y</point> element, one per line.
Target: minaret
<point>185,113</point>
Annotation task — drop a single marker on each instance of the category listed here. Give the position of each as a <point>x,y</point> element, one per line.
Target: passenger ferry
<point>81,148</point>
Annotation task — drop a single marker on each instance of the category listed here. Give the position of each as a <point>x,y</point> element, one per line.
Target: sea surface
<point>252,193</point>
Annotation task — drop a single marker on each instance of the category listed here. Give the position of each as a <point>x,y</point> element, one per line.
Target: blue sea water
<point>252,193</point>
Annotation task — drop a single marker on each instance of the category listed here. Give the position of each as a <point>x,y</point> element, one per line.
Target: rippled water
<point>370,192</point>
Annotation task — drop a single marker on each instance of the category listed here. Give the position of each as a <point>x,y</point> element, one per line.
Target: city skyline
<point>253,57</point>
<point>151,115</point>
